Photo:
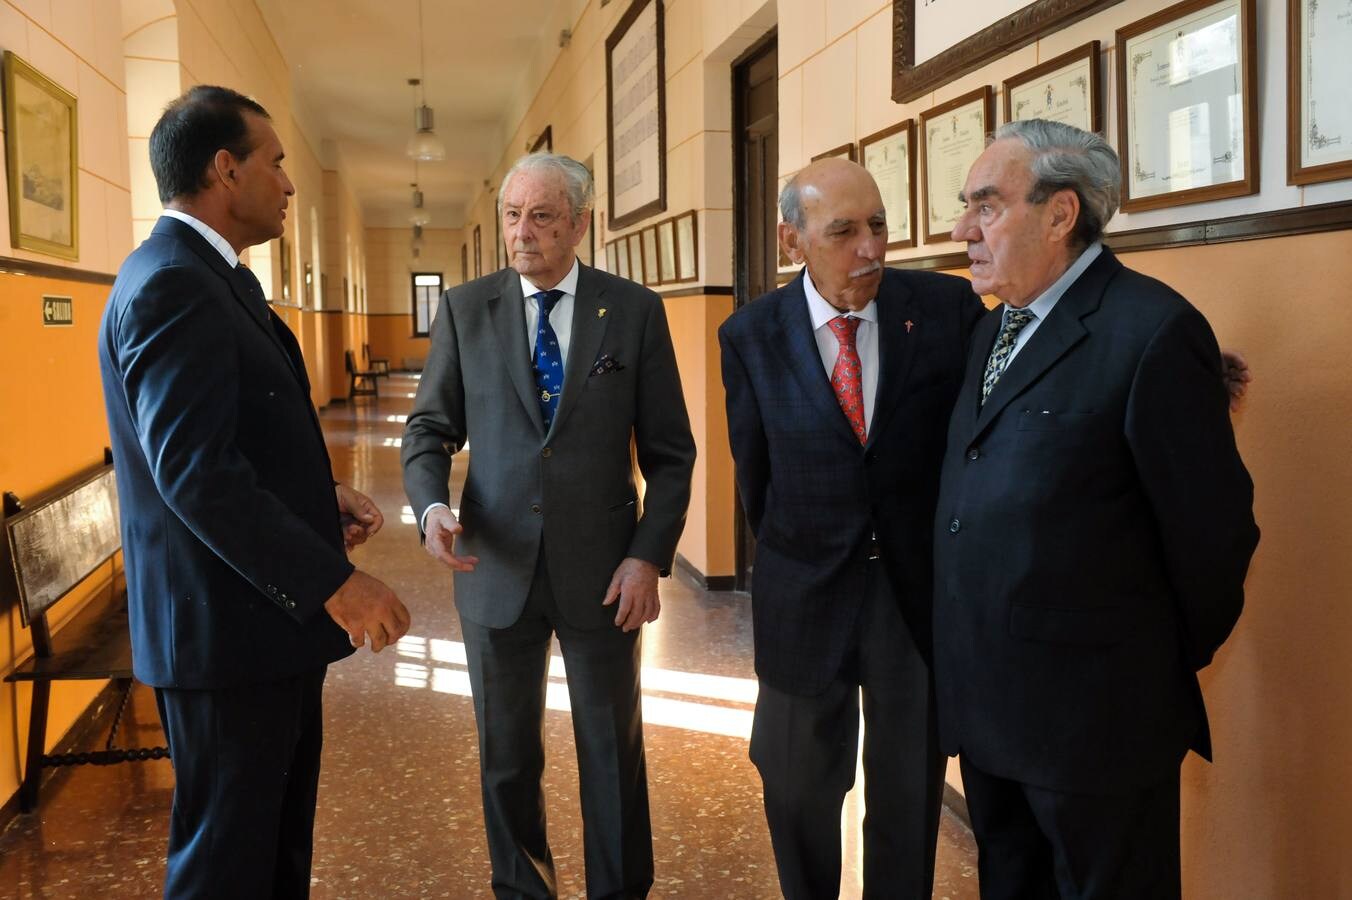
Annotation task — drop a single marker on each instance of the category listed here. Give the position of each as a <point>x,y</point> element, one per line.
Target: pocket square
<point>604,365</point>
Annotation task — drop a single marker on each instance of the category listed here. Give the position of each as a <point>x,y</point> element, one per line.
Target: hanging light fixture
<point>416,244</point>
<point>424,144</point>
<point>419,215</point>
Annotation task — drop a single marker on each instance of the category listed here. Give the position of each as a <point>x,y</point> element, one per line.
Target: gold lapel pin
<point>601,313</point>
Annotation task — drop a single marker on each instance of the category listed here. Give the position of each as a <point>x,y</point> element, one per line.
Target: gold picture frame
<point>42,153</point>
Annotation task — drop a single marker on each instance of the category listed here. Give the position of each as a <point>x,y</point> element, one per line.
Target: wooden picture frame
<point>612,259</point>
<point>634,247</point>
<point>642,120</point>
<point>1332,145</point>
<point>621,246</point>
<point>1035,20</point>
<point>844,151</point>
<point>1167,25</point>
<point>965,122</point>
<point>882,154</point>
<point>666,251</point>
<point>1056,78</point>
<point>687,247</point>
<point>651,274</point>
<point>42,161</point>
<point>478,254</point>
<point>544,142</point>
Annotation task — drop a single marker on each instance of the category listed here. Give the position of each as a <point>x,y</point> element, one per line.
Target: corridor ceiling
<point>350,61</point>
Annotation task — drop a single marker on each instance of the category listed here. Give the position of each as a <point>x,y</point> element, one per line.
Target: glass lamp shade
<point>419,216</point>
<point>425,145</point>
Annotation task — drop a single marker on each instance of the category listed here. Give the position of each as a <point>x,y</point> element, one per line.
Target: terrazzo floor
<point>399,813</point>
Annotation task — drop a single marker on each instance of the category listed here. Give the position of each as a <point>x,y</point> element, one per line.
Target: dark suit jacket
<point>229,520</point>
<point>813,496</point>
<point>574,486</point>
<point>1093,533</point>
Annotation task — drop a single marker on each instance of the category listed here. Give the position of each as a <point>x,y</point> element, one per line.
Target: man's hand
<point>359,516</point>
<point>366,606</point>
<point>1235,374</point>
<point>439,539</point>
<point>635,586</point>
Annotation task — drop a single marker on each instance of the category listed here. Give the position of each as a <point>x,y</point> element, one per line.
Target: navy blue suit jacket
<point>813,496</point>
<point>1094,528</point>
<point>230,525</point>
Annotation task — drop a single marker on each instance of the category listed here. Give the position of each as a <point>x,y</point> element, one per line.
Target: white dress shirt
<point>865,341</point>
<point>1043,305</point>
<point>562,316</point>
<point>213,237</point>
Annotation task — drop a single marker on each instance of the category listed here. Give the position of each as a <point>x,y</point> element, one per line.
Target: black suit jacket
<point>813,496</point>
<point>1093,533</point>
<point>230,525</point>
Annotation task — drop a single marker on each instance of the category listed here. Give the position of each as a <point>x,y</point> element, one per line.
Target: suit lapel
<point>507,311</point>
<point>589,329</point>
<point>805,360</point>
<point>1062,330</point>
<point>896,349</point>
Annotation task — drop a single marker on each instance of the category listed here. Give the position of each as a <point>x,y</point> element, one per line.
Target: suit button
<point>546,453</point>
<point>535,508</point>
<point>973,453</point>
<point>954,527</point>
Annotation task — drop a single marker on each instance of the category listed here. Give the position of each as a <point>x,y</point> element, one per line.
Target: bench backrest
<point>58,540</point>
<point>349,362</point>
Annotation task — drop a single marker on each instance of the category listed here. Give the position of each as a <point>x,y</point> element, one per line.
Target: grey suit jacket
<point>572,487</point>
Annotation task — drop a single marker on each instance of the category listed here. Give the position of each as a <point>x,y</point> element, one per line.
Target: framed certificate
<point>650,274</point>
<point>636,114</point>
<point>635,244</point>
<point>1318,73</point>
<point>953,135</point>
<point>1064,89</point>
<point>844,151</point>
<point>621,248</point>
<point>889,156</point>
<point>666,251</point>
<point>1186,120</point>
<point>612,259</point>
<point>687,258</point>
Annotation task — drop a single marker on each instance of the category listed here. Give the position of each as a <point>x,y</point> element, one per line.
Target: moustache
<point>869,269</point>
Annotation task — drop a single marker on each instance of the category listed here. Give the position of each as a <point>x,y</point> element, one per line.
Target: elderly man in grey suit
<point>554,370</point>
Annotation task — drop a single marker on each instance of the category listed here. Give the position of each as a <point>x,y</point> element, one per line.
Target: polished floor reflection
<point>399,813</point>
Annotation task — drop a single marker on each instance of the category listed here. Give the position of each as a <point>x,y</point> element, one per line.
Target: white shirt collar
<point>213,237</point>
<point>1043,305</point>
<point>568,285</point>
<point>823,312</point>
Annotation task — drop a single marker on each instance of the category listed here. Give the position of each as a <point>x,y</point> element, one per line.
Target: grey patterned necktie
<point>1015,320</point>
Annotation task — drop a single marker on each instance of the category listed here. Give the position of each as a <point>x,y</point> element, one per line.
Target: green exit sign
<point>58,311</point>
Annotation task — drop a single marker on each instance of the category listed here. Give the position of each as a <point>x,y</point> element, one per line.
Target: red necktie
<point>847,377</point>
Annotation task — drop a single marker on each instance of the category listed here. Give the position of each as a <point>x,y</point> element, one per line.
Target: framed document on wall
<point>889,156</point>
<point>666,251</point>
<point>844,151</point>
<point>651,276</point>
<point>621,248</point>
<point>687,256</point>
<point>1186,117</point>
<point>635,244</point>
<point>1064,89</point>
<point>636,115</point>
<point>1318,73</point>
<point>42,153</point>
<point>612,259</point>
<point>478,253</point>
<point>953,135</point>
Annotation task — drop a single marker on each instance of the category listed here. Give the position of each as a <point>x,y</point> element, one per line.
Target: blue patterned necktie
<point>548,357</point>
<point>1015,320</point>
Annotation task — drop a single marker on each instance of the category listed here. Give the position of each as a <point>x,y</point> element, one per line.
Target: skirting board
<point>694,576</point>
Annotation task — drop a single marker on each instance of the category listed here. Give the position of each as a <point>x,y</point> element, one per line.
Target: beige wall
<point>392,265</point>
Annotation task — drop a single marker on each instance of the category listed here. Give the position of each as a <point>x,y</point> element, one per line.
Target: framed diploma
<point>1186,120</point>
<point>634,242</point>
<point>687,258</point>
<point>612,259</point>
<point>1064,89</point>
<point>1318,72</point>
<point>844,151</point>
<point>478,254</point>
<point>666,251</point>
<point>636,115</point>
<point>621,248</point>
<point>889,156</point>
<point>953,135</point>
<point>650,274</point>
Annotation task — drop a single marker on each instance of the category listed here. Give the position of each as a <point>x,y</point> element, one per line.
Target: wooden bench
<point>48,547</point>
<point>378,364</point>
<point>360,383</point>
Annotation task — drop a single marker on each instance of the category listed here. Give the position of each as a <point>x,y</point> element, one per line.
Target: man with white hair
<point>554,370</point>
<point>1093,532</point>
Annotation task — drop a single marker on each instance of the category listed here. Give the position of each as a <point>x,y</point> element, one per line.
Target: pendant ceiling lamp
<point>424,145</point>
<point>419,216</point>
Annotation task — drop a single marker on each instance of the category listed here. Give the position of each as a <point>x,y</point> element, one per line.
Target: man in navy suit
<point>838,388</point>
<point>233,528</point>
<point>1094,528</point>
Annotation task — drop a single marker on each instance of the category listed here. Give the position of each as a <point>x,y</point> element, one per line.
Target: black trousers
<point>1033,843</point>
<point>246,774</point>
<point>508,670</point>
<point>806,749</point>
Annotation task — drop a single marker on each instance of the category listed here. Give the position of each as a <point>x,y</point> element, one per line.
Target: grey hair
<point>576,179</point>
<point>1067,158</point>
<point>791,204</point>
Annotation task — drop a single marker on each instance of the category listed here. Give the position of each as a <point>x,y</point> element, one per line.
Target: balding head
<point>834,221</point>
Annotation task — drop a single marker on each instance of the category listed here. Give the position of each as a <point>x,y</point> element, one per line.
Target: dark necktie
<point>548,357</point>
<point>1015,320</point>
<point>847,376</point>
